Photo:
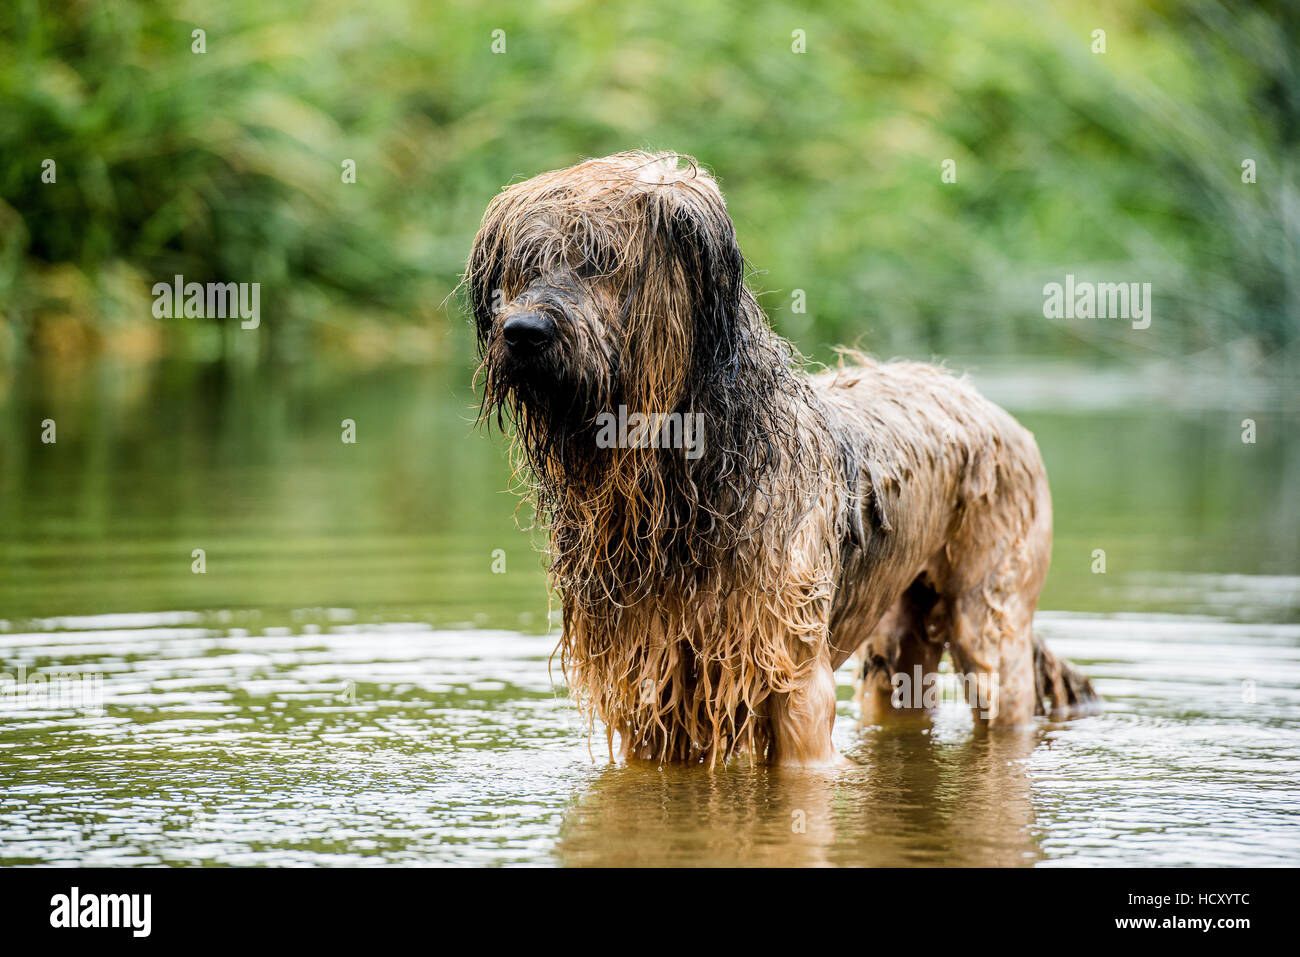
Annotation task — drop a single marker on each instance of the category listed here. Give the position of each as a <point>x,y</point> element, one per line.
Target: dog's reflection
<point>914,796</point>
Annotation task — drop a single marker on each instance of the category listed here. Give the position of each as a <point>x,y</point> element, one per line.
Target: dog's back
<point>939,437</point>
<point>955,532</point>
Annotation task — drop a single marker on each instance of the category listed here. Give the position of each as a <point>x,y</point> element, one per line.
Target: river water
<point>353,679</point>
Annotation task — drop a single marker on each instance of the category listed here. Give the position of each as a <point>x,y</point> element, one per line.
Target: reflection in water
<point>962,798</point>
<point>912,798</point>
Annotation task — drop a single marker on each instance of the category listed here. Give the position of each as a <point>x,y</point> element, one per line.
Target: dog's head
<point>616,282</point>
<point>617,286</point>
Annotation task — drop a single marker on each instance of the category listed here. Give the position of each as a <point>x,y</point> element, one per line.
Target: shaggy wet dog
<point>711,588</point>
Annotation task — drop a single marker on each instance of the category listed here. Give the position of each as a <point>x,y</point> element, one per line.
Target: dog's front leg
<point>802,719</point>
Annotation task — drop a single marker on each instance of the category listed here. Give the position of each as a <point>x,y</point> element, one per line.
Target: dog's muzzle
<point>528,333</point>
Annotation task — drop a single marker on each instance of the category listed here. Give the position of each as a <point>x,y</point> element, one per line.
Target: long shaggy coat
<point>882,509</point>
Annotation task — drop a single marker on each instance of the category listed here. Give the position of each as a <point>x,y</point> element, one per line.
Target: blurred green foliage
<point>225,165</point>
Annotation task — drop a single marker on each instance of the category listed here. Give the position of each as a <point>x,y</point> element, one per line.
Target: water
<point>350,683</point>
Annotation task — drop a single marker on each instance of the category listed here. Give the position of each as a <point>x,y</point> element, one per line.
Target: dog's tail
<point>1063,690</point>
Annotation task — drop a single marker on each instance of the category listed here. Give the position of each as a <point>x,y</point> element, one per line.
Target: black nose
<point>528,331</point>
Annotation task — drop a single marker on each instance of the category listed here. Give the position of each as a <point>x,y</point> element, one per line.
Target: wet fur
<point>707,602</point>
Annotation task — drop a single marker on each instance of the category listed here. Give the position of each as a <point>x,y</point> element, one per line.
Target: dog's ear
<point>702,243</point>
<point>483,275</point>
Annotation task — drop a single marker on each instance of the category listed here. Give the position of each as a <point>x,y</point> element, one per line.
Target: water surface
<point>350,682</point>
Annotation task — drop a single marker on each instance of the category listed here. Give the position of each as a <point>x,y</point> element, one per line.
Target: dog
<point>709,591</point>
